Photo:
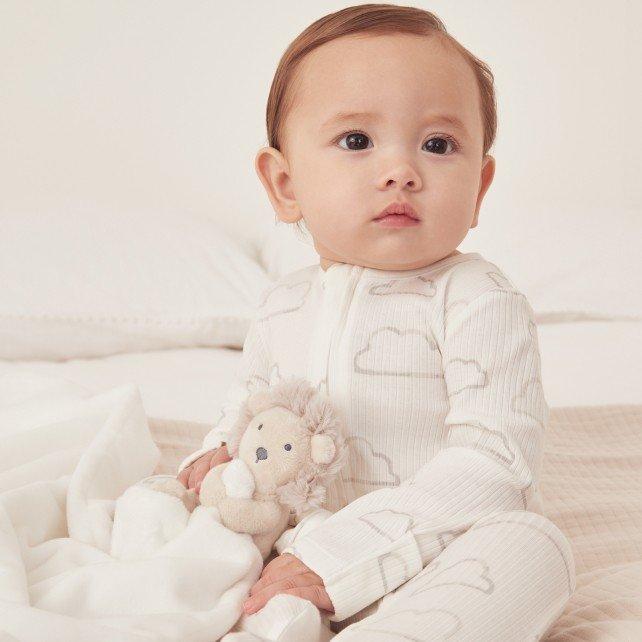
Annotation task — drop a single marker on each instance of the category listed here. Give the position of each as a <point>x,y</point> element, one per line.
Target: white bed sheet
<point>584,363</point>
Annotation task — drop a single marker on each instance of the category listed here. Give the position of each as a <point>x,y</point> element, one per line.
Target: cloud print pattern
<point>436,373</point>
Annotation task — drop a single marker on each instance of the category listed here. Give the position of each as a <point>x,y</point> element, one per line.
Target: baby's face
<point>338,174</point>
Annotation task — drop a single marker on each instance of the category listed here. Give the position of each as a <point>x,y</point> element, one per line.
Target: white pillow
<point>571,264</point>
<point>89,285</point>
<point>286,249</point>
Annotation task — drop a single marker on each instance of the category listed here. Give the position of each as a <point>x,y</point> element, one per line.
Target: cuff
<point>306,523</point>
<point>353,585</point>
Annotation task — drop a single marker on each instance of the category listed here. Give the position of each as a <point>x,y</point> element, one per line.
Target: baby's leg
<point>507,578</point>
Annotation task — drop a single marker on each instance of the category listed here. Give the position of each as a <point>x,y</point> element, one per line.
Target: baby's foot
<point>285,618</point>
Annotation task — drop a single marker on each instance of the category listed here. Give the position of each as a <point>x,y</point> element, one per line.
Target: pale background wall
<point>158,106</point>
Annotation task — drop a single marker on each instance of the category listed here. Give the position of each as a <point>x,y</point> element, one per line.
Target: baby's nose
<point>261,453</point>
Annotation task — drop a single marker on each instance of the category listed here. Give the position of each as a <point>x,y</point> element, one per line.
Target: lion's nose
<point>261,453</point>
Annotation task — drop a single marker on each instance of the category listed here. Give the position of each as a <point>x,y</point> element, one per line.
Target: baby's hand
<point>287,574</point>
<point>191,476</point>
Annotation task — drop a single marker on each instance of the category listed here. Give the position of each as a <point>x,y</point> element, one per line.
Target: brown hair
<point>376,19</point>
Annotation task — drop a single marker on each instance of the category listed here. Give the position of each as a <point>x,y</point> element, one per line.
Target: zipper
<point>338,331</point>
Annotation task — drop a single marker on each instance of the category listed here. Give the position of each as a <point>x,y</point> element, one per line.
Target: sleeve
<point>253,369</point>
<point>489,461</point>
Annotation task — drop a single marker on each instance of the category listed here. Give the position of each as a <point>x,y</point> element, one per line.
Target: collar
<point>342,271</point>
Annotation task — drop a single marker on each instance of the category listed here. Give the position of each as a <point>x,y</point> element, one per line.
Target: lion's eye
<point>288,446</point>
<point>260,426</point>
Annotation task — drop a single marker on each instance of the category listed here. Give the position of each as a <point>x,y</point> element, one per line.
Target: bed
<point>591,374</point>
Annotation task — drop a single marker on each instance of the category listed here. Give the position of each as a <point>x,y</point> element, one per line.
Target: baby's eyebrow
<point>344,116</point>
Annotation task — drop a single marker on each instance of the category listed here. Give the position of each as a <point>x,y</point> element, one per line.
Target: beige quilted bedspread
<point>592,489</point>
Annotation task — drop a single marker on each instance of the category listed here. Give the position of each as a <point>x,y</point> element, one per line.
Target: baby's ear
<point>322,449</point>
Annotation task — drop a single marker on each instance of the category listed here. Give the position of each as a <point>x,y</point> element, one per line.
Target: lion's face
<point>275,447</point>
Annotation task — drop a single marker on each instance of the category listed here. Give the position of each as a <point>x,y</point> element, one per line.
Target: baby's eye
<point>260,426</point>
<point>355,140</point>
<point>288,446</point>
<point>439,143</point>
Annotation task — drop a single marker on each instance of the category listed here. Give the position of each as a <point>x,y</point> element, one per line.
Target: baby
<point>379,126</point>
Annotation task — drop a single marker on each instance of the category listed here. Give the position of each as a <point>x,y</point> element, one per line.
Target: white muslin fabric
<point>66,458</point>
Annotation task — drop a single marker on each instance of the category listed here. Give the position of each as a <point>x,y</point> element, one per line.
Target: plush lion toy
<point>286,447</point>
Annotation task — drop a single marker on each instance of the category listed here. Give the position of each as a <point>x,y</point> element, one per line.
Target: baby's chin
<point>393,259</point>
<point>393,253</point>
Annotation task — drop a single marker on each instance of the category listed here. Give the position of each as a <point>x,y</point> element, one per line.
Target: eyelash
<point>450,139</point>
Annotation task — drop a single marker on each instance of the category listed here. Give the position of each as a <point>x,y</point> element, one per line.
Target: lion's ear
<point>322,449</point>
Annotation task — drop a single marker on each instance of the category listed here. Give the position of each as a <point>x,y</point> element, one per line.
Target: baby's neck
<point>326,263</point>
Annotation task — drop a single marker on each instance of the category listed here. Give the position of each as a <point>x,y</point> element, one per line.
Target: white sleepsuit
<point>436,375</point>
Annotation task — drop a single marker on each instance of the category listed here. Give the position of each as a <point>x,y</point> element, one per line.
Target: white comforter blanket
<point>65,457</point>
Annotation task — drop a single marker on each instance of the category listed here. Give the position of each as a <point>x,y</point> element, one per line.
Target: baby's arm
<point>489,462</point>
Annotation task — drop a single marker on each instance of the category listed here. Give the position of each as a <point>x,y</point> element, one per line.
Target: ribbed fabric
<point>436,375</point>
<point>506,579</point>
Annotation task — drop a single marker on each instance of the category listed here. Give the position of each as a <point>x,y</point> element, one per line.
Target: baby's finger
<point>198,479</point>
<point>275,570</point>
<point>200,468</point>
<point>220,457</point>
<point>301,585</point>
<point>183,476</point>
